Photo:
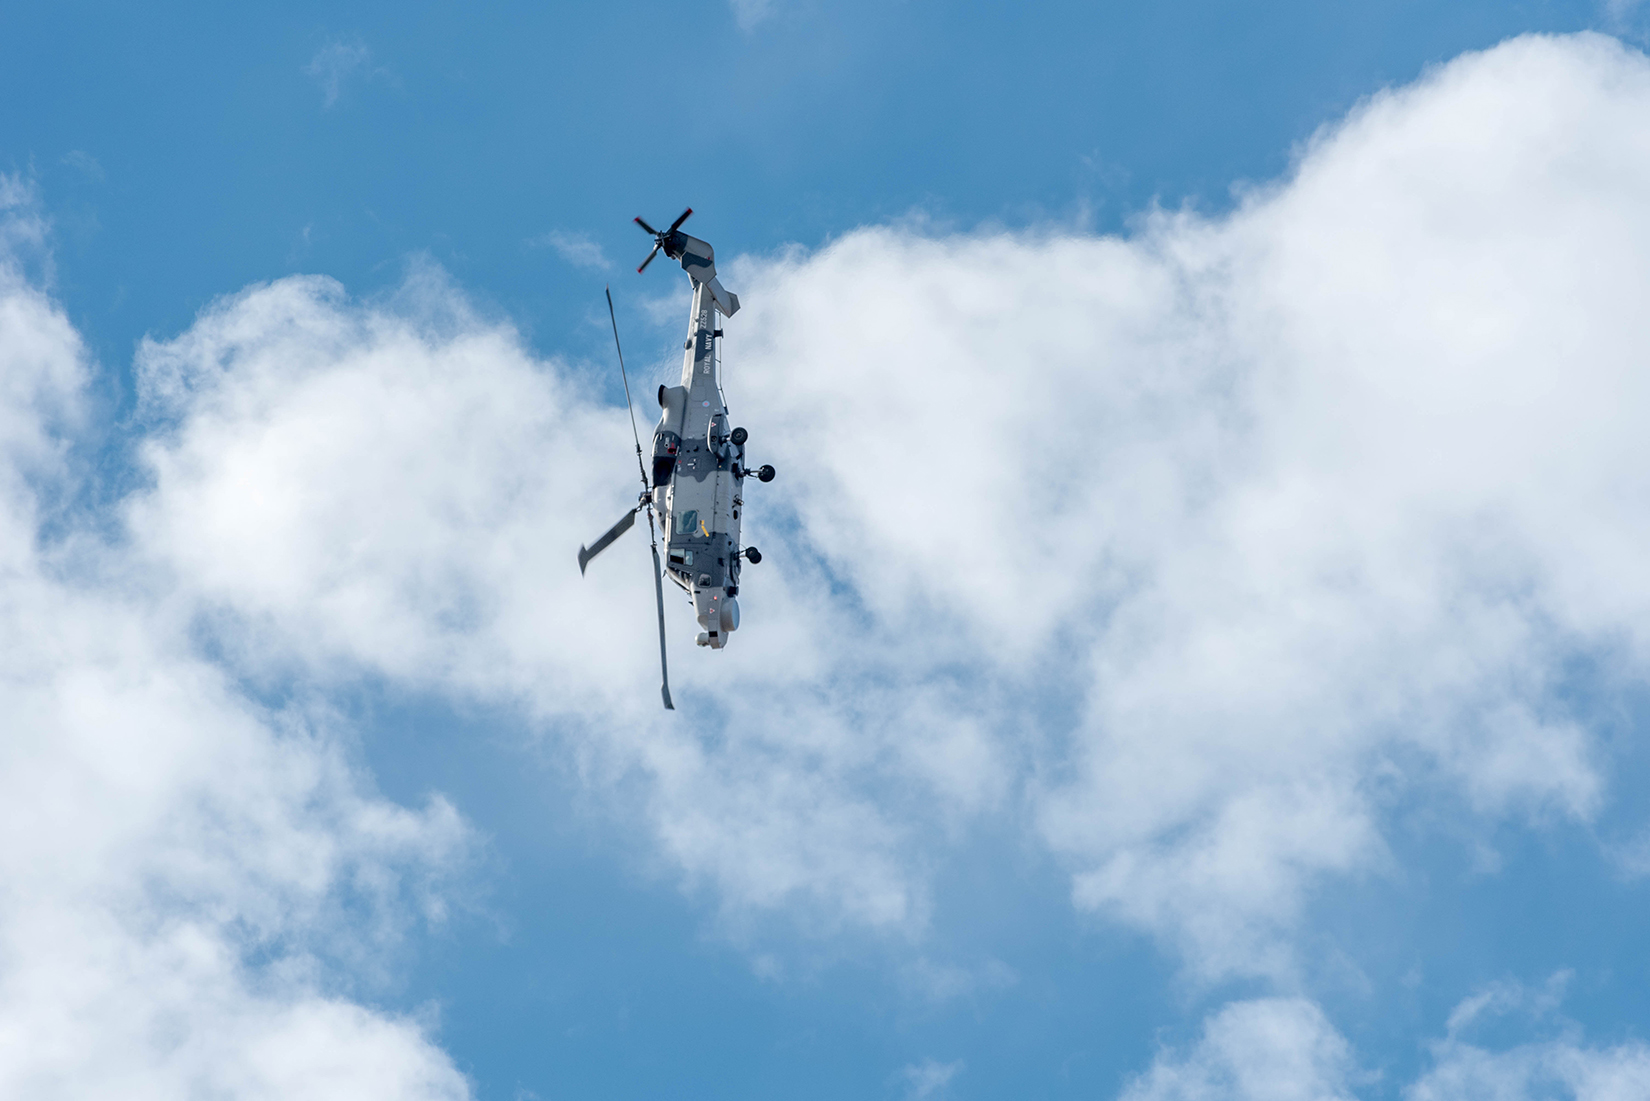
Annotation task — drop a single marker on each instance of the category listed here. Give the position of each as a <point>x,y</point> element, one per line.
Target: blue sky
<point>1255,712</point>
<point>219,147</point>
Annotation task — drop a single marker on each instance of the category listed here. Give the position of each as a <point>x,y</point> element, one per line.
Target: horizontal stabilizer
<point>727,302</point>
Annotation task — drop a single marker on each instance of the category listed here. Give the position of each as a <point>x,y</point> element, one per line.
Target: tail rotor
<point>665,240</point>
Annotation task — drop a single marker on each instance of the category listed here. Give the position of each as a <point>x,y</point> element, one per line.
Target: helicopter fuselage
<point>698,477</point>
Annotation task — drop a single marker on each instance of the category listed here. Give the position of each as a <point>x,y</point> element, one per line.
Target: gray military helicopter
<point>697,482</point>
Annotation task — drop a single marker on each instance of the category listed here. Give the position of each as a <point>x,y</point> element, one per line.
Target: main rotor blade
<point>606,540</point>
<point>677,224</point>
<point>649,259</point>
<point>641,467</point>
<point>659,591</point>
<point>647,227</point>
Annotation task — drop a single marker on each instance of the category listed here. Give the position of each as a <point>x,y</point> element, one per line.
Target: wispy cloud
<point>1618,12</point>
<point>928,1078</point>
<point>1270,1048</point>
<point>24,233</point>
<point>1559,1064</point>
<point>1266,1048</point>
<point>336,62</point>
<point>577,249</point>
<point>748,13</point>
<point>84,163</point>
<point>302,242</point>
<point>936,981</point>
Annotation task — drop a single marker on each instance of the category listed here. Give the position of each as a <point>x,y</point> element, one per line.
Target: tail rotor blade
<point>606,540</point>
<point>649,259</point>
<point>677,224</point>
<point>664,668</point>
<point>647,227</point>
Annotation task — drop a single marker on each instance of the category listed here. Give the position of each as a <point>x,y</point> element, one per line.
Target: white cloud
<point>1500,999</point>
<point>191,878</point>
<point>1562,1067</point>
<point>399,488</point>
<point>1306,504</point>
<point>577,249</point>
<point>929,1078</point>
<point>1185,553</point>
<point>1632,857</point>
<point>85,163</point>
<point>1617,13</point>
<point>748,13</point>
<point>937,981</point>
<point>23,234</point>
<point>1537,1072</point>
<point>1285,1049</point>
<point>1188,552</point>
<point>1269,1049</point>
<point>334,63</point>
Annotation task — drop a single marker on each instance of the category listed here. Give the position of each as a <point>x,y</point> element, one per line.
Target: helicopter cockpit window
<point>690,522</point>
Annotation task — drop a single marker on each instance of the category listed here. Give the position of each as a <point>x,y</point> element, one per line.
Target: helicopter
<point>696,484</point>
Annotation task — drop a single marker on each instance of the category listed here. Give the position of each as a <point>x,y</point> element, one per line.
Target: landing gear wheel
<point>766,473</point>
<point>752,555</point>
<point>739,437</point>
